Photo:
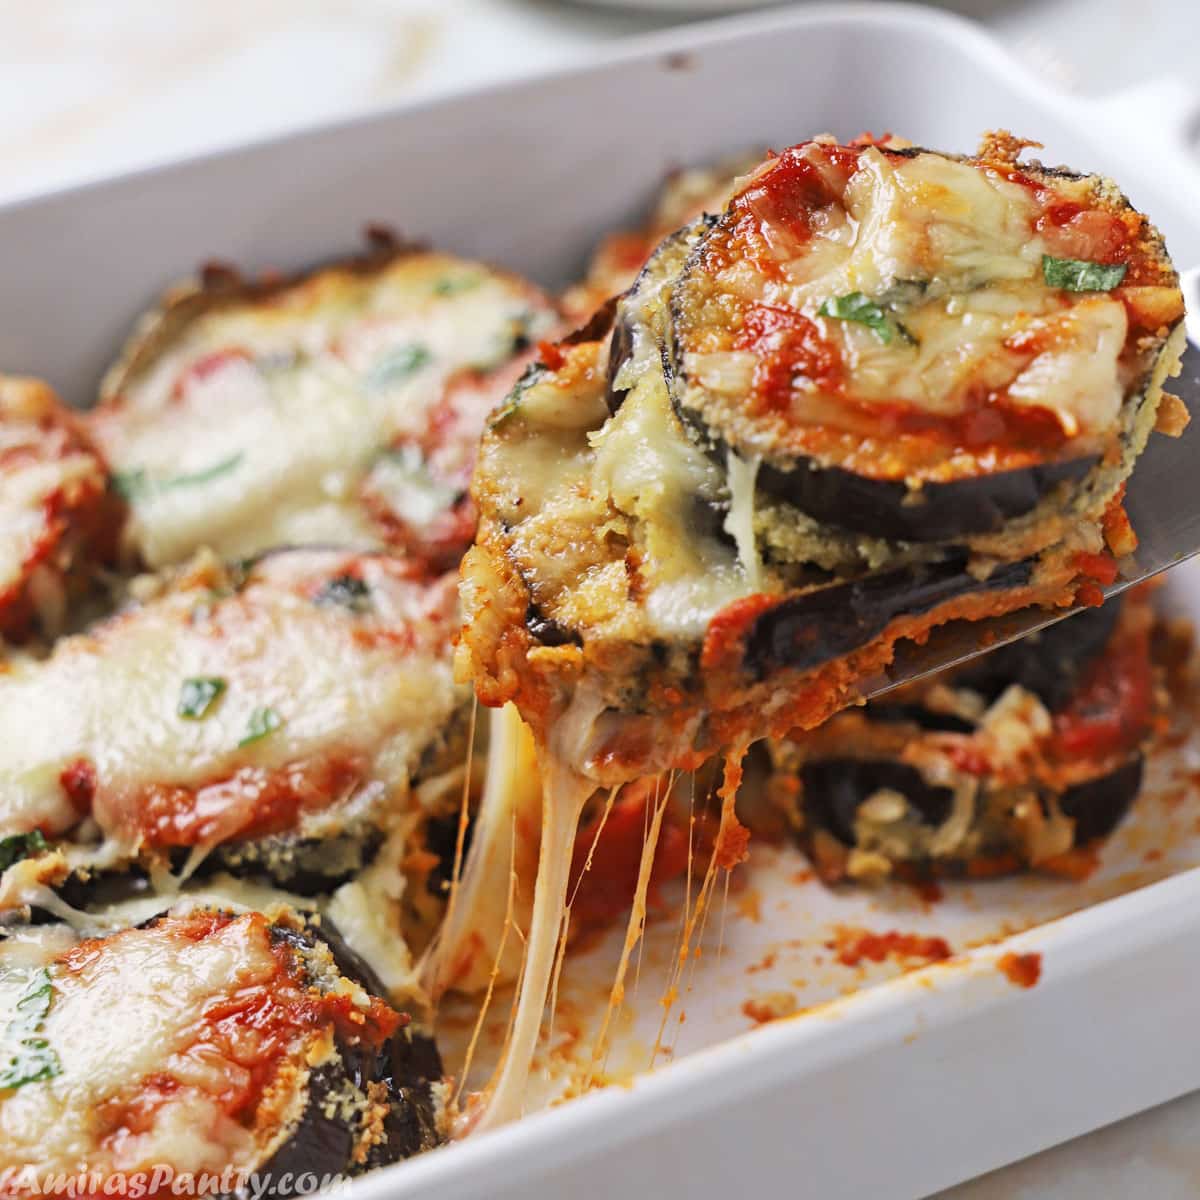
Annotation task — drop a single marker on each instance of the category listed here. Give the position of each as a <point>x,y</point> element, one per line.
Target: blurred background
<point>87,87</point>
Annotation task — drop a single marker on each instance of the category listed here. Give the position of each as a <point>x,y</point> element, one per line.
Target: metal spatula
<point>1163,502</point>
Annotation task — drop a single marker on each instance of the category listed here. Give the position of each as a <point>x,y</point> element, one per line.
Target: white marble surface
<point>87,88</point>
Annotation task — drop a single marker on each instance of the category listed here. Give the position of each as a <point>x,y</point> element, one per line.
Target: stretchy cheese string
<point>471,927</point>
<point>634,927</point>
<point>564,931</point>
<point>564,794</point>
<point>726,853</point>
<point>509,924</point>
<point>463,821</point>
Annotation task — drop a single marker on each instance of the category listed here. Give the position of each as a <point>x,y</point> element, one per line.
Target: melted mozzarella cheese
<point>477,941</point>
<point>375,688</point>
<point>257,425</point>
<point>123,1011</point>
<point>951,255</point>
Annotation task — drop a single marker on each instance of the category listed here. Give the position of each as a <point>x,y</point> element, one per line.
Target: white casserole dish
<point>904,1087</point>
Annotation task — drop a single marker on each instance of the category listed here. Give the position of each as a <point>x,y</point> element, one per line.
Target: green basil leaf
<point>1079,275</point>
<point>26,1057</point>
<point>137,485</point>
<point>262,722</point>
<point>31,1062</point>
<point>451,285</point>
<point>346,590</point>
<point>18,846</point>
<point>856,307</point>
<point>397,365</point>
<point>532,374</point>
<point>198,696</point>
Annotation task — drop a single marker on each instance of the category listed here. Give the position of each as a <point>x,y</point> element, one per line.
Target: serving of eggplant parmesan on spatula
<point>884,389</point>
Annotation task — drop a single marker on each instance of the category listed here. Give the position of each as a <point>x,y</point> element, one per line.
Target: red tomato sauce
<point>256,1030</point>
<point>1112,709</point>
<point>606,889</point>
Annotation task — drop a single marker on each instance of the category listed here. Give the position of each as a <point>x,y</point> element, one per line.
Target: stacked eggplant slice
<point>1027,757</point>
<point>229,803</point>
<point>883,389</point>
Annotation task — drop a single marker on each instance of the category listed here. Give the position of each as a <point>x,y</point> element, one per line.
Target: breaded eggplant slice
<point>1016,761</point>
<point>686,195</point>
<point>59,521</point>
<point>206,1041</point>
<point>907,345</point>
<point>343,406</point>
<point>275,720</point>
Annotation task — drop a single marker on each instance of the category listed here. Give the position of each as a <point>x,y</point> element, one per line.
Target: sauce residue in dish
<point>1023,970</point>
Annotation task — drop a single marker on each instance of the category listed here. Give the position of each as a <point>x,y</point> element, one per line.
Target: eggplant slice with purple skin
<point>983,769</point>
<point>271,1047</point>
<point>914,381</point>
<point>270,720</point>
<point>343,404</point>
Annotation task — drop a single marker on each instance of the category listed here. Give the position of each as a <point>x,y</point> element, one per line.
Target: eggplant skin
<point>817,626</point>
<point>305,866</point>
<point>1047,663</point>
<point>404,1072</point>
<point>835,789</point>
<point>940,512</point>
<point>1100,805</point>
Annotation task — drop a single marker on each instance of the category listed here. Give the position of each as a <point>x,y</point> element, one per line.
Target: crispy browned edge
<point>219,285</point>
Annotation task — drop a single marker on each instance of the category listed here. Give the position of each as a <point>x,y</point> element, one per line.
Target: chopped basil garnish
<point>262,722</point>
<point>18,846</point>
<point>1079,275</point>
<point>137,485</point>
<point>28,1058</point>
<point>198,696</point>
<point>347,591</point>
<point>451,285</point>
<point>532,374</point>
<point>397,365</point>
<point>856,307</point>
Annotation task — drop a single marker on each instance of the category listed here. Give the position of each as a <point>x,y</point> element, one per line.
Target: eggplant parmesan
<point>208,1044</point>
<point>277,719</point>
<point>59,520</point>
<point>649,594</point>
<point>343,406</point>
<point>1020,759</point>
<point>638,569</point>
<point>926,348</point>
